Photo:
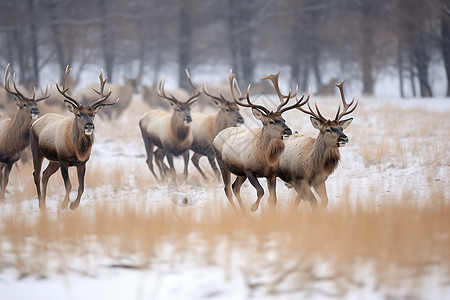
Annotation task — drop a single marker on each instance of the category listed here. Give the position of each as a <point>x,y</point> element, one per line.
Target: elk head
<point>273,123</point>
<point>133,82</point>
<point>182,110</point>
<point>229,110</point>
<point>23,102</point>
<point>333,130</point>
<point>84,115</point>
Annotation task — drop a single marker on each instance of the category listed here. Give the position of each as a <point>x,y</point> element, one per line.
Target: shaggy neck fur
<point>220,123</point>
<point>324,158</point>
<point>18,135</point>
<point>179,131</point>
<point>268,149</point>
<point>82,143</point>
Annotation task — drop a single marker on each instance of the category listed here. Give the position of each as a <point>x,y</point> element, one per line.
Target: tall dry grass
<point>396,242</point>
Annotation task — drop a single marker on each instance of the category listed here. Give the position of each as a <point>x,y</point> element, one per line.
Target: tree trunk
<point>400,68</point>
<point>107,41</point>
<point>445,43</point>
<point>184,44</point>
<point>232,36</point>
<point>34,43</point>
<point>421,59</point>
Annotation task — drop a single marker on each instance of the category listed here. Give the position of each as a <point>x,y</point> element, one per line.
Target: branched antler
<point>16,91</point>
<point>345,110</point>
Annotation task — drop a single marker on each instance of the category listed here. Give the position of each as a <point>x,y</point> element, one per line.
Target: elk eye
<point>328,130</point>
<point>271,122</point>
<point>25,105</point>
<point>78,115</point>
<point>227,110</point>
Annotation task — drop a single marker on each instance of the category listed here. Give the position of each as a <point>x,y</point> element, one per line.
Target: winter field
<point>384,235</point>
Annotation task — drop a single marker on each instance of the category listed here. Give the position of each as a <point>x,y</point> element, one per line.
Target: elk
<point>169,131</point>
<point>65,141</point>
<point>151,97</point>
<point>205,127</point>
<point>253,153</point>
<point>15,132</point>
<point>123,92</point>
<point>308,161</point>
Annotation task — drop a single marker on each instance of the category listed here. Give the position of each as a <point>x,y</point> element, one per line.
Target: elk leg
<point>2,165</point>
<point>272,185</point>
<point>212,162</point>
<point>172,172</point>
<point>304,192</point>
<point>5,179</point>
<point>37,164</point>
<point>2,195</point>
<point>259,190</point>
<point>186,163</point>
<point>321,190</point>
<point>159,159</point>
<point>52,167</point>
<point>149,149</point>
<point>81,171</point>
<point>195,158</point>
<point>226,176</point>
<point>237,184</point>
<point>67,184</point>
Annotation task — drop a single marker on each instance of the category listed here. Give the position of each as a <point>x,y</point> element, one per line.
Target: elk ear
<point>172,104</point>
<point>316,123</point>
<point>217,102</point>
<point>258,114</point>
<point>72,108</point>
<point>345,123</point>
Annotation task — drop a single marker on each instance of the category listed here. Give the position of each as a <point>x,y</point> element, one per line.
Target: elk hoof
<point>64,204</point>
<point>254,207</point>
<point>74,205</point>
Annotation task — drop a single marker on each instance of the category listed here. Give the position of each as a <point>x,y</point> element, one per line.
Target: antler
<point>316,114</point>
<point>17,93</point>
<point>64,90</point>
<point>300,102</point>
<point>100,92</point>
<point>162,93</point>
<point>345,110</point>
<point>238,102</point>
<point>275,78</point>
<point>222,98</point>
<point>195,90</point>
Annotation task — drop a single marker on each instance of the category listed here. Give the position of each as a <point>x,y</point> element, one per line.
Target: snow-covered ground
<point>396,147</point>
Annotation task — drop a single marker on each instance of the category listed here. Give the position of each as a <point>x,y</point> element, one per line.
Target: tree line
<point>306,37</point>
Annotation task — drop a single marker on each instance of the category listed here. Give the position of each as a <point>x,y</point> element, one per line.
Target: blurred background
<point>401,45</point>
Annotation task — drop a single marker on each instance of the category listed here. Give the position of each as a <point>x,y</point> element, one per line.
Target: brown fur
<point>65,142</point>
<point>308,162</point>
<point>15,132</point>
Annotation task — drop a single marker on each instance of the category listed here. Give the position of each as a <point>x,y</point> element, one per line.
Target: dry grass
<point>404,240</point>
<point>359,240</point>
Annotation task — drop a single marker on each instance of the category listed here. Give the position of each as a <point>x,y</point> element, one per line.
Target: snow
<point>122,150</point>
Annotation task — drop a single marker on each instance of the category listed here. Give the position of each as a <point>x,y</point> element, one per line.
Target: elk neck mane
<point>19,132</point>
<point>324,158</point>
<point>82,144</point>
<point>178,130</point>
<point>268,149</point>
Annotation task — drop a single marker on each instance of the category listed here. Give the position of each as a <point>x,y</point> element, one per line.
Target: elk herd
<point>271,151</point>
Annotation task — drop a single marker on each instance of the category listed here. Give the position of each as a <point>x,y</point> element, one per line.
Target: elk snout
<point>240,120</point>
<point>89,128</point>
<point>286,133</point>
<point>343,140</point>
<point>34,113</point>
<point>187,120</point>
